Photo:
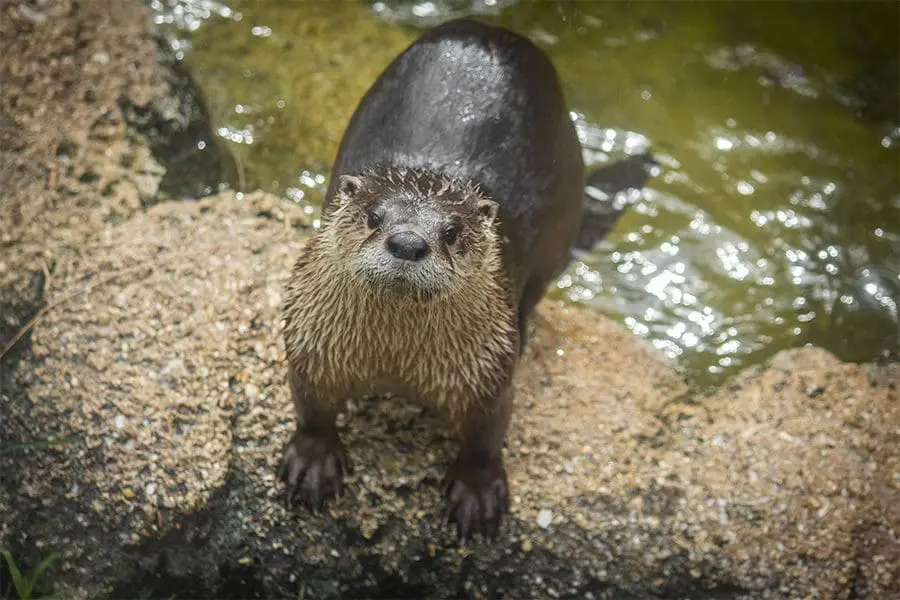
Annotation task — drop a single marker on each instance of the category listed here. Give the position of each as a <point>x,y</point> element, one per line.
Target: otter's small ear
<point>487,210</point>
<point>347,187</point>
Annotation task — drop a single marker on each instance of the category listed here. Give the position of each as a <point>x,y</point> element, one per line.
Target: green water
<point>774,219</point>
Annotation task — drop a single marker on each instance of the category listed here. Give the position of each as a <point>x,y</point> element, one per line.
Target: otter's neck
<point>349,338</point>
<point>326,297</point>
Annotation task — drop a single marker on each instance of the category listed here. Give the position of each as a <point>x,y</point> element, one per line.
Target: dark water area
<point>773,218</point>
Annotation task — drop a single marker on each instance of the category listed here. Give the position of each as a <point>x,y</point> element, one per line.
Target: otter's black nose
<point>408,246</point>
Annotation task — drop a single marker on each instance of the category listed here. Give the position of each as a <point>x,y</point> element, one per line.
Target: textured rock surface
<point>158,369</point>
<point>165,374</point>
<point>86,99</point>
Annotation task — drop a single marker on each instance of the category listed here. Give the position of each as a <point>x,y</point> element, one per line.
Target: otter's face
<point>410,234</point>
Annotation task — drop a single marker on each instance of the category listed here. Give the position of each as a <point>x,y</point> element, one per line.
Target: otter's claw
<point>477,497</point>
<point>312,468</point>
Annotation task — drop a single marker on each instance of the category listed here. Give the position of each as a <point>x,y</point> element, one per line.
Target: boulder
<point>159,368</point>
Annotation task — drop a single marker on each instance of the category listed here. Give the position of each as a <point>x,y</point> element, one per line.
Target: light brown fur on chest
<point>349,340</point>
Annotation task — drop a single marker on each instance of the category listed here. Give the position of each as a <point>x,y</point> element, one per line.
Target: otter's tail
<point>603,203</point>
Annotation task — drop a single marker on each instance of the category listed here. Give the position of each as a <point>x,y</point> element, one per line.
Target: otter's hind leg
<point>314,462</point>
<point>532,294</point>
<point>536,287</point>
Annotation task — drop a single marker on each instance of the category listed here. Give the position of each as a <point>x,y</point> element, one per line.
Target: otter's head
<point>412,232</point>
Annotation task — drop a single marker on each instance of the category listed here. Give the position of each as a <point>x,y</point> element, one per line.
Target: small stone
<point>526,545</point>
<point>120,421</point>
<point>32,15</point>
<point>245,560</point>
<point>172,371</point>
<point>814,391</point>
<point>545,517</point>
<point>150,489</point>
<point>128,493</point>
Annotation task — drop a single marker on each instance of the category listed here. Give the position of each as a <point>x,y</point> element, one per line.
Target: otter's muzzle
<point>408,245</point>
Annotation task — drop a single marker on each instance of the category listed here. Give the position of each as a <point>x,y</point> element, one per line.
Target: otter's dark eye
<point>373,220</point>
<point>450,233</point>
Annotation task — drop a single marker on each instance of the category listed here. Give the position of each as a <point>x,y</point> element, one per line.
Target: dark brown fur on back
<point>453,202</point>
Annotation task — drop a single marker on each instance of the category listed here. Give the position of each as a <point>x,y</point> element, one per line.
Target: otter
<point>454,201</point>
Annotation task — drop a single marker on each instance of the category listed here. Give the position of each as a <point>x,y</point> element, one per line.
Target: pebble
<point>120,421</point>
<point>172,369</point>
<point>815,390</point>
<point>545,517</point>
<point>31,15</point>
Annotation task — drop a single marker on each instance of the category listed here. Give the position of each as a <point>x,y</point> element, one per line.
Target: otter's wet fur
<point>454,201</point>
<point>425,345</point>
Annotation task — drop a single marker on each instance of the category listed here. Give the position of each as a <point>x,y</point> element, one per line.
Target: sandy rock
<point>86,99</point>
<point>166,376</point>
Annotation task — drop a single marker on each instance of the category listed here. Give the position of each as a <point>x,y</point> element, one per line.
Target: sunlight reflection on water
<point>772,219</point>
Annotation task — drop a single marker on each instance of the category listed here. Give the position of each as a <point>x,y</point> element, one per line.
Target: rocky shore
<point>155,371</point>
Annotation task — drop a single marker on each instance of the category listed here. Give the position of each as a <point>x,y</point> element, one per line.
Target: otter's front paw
<point>313,468</point>
<point>477,496</point>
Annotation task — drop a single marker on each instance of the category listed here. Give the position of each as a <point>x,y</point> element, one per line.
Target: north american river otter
<point>455,199</point>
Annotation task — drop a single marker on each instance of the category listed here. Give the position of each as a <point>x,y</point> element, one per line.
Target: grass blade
<point>14,572</point>
<point>24,588</point>
<point>40,568</point>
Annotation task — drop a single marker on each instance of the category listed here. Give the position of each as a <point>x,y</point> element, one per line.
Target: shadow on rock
<point>205,555</point>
